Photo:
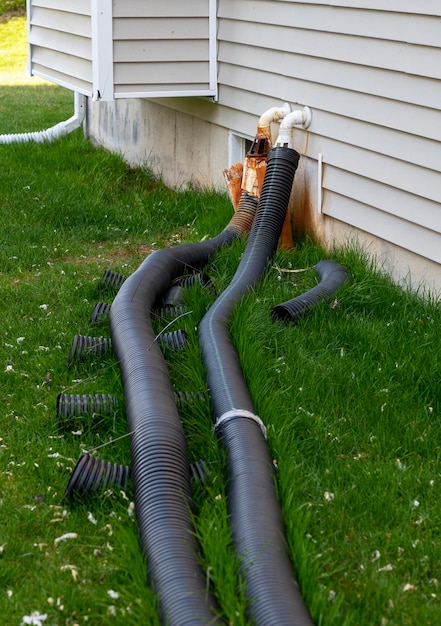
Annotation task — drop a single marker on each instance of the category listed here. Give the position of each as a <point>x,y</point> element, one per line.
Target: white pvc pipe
<point>295,118</point>
<point>272,115</point>
<point>55,132</point>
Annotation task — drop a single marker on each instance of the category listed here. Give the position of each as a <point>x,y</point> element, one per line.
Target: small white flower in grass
<point>73,570</point>
<point>43,307</point>
<point>20,339</point>
<point>387,568</point>
<point>9,368</point>
<point>416,503</point>
<point>331,595</point>
<point>91,518</point>
<point>131,509</point>
<point>113,594</point>
<point>329,496</point>
<point>375,555</point>
<point>65,537</point>
<point>409,587</point>
<point>111,610</point>
<point>9,593</point>
<point>34,619</point>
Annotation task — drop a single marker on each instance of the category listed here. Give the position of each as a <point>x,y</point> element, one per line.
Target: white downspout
<point>55,132</point>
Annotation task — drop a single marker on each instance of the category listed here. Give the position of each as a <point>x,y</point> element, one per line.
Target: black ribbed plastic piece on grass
<point>112,279</point>
<point>92,474</point>
<point>332,276</point>
<point>100,312</point>
<point>175,340</point>
<point>185,398</point>
<point>254,512</point>
<point>198,278</point>
<point>84,346</point>
<point>174,296</point>
<point>169,313</point>
<point>70,406</point>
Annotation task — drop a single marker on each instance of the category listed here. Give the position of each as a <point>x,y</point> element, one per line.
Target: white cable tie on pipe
<point>229,415</point>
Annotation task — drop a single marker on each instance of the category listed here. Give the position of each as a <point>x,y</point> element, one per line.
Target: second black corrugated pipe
<point>160,470</point>
<point>332,276</point>
<point>255,514</point>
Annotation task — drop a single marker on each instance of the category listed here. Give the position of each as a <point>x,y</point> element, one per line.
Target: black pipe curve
<point>255,515</point>
<point>160,470</point>
<point>332,275</point>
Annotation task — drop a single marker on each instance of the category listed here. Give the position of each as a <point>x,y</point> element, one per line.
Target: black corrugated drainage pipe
<point>255,514</point>
<point>160,469</point>
<point>332,275</point>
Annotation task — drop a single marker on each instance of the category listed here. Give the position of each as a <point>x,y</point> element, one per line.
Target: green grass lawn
<point>351,396</point>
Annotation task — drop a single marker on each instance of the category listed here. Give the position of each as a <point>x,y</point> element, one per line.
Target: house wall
<point>160,46</point>
<point>125,48</point>
<point>60,37</point>
<point>372,78</point>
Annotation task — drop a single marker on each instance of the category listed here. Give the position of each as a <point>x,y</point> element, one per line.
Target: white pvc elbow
<point>301,118</point>
<point>275,114</point>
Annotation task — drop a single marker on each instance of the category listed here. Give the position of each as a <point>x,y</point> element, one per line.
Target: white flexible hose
<point>54,132</point>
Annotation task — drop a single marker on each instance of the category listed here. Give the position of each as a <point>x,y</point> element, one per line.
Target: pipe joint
<point>300,117</point>
<point>275,114</point>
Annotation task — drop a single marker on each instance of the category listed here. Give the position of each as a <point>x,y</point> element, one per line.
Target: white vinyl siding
<point>164,48</point>
<point>371,73</point>
<point>60,42</point>
<point>126,48</point>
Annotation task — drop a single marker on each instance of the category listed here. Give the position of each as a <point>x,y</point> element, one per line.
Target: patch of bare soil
<point>112,255</point>
<point>11,14</point>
